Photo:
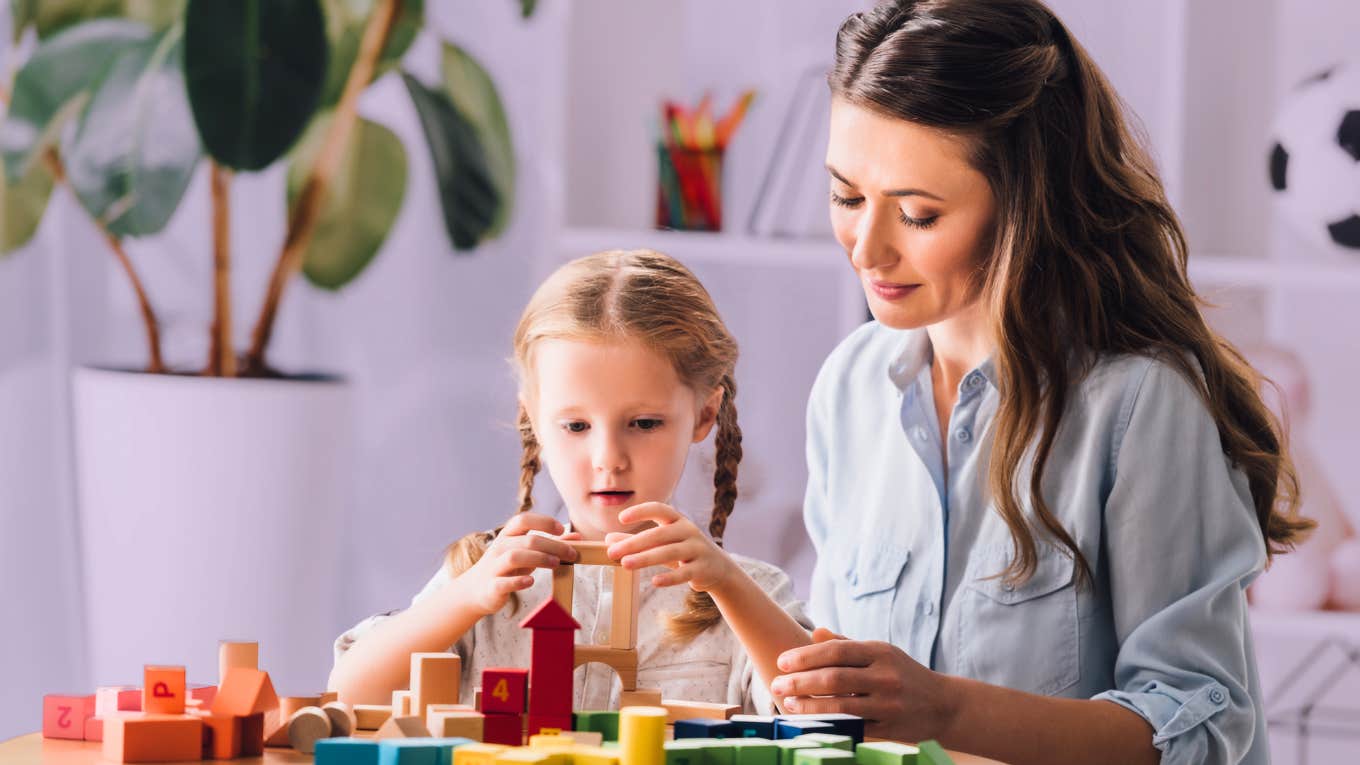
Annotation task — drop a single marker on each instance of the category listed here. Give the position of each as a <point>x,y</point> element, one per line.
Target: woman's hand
<point>898,698</point>
<point>509,562</point>
<point>675,542</point>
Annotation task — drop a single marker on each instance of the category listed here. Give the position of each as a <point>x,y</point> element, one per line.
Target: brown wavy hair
<point>632,295</point>
<point>1082,219</point>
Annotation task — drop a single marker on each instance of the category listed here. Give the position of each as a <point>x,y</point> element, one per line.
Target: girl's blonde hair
<point>642,296</point>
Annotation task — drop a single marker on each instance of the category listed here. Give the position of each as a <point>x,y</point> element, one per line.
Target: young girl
<point>623,363</point>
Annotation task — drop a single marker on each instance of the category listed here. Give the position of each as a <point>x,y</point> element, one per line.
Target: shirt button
<point>963,435</point>
<point>930,607</point>
<point>1216,696</point>
<point>974,380</point>
<point>920,434</point>
<point>1008,587</point>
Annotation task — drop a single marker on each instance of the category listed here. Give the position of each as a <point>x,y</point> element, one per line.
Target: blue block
<point>794,728</point>
<point>346,751</point>
<point>758,726</point>
<point>843,724</point>
<point>706,728</point>
<point>408,751</point>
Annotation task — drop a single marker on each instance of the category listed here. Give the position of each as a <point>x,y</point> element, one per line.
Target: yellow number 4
<point>502,690</point>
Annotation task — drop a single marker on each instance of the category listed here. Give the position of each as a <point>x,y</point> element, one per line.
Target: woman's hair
<point>632,296</point>
<point>1082,220</point>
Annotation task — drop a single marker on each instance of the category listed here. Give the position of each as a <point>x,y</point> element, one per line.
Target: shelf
<point>1232,270</point>
<point>706,247</point>
<point>1306,624</point>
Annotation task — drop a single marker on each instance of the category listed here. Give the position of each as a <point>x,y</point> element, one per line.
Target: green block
<point>787,746</point>
<point>714,751</point>
<point>934,754</point>
<point>885,753</point>
<point>823,756</point>
<point>754,751</point>
<point>684,751</point>
<point>604,723</point>
<point>832,740</point>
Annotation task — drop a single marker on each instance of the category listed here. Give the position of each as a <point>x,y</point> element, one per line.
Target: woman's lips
<point>891,291</point>
<point>614,497</point>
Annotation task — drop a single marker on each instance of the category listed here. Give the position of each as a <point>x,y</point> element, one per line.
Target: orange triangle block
<point>245,692</point>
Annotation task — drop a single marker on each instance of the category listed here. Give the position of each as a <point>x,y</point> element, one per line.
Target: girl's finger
<point>646,540</point>
<point>522,558</point>
<point>675,552</point>
<point>523,523</point>
<point>672,578</point>
<point>658,512</point>
<point>508,584</point>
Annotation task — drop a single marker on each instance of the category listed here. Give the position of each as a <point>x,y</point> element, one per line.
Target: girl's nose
<point>610,456</point>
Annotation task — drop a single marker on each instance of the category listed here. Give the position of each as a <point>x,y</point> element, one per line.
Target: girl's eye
<point>575,427</point>
<point>840,201</point>
<point>917,222</point>
<point>647,423</point>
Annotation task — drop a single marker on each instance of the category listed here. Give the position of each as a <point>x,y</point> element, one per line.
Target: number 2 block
<point>64,716</point>
<point>505,690</point>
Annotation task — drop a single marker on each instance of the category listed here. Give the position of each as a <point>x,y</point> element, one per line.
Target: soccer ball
<point>1315,162</point>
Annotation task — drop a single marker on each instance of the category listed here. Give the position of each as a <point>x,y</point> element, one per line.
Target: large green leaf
<point>54,85</point>
<point>361,204</point>
<point>22,206</point>
<point>474,96</point>
<point>526,7</point>
<point>255,70</point>
<point>345,20</point>
<point>53,16</point>
<point>135,150</point>
<point>467,192</point>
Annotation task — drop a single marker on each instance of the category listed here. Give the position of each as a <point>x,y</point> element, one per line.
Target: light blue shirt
<point>1137,476</point>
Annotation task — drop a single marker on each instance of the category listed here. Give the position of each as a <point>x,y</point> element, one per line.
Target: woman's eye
<point>575,427</point>
<point>840,201</point>
<point>647,423</point>
<point>917,222</point>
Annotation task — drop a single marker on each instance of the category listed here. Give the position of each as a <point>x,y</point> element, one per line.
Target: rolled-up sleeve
<point>1182,543</point>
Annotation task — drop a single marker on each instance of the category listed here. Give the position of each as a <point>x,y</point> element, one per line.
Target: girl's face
<point>911,212</point>
<point>614,423</point>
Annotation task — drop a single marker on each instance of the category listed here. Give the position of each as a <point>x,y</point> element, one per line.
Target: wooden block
<point>606,723</point>
<point>788,747</point>
<point>346,751</point>
<point>153,738</point>
<point>434,680</point>
<point>623,619</point>
<point>592,554</point>
<point>623,660</point>
<point>844,724</point>
<point>371,716</point>
<point>591,738</point>
<point>94,729</point>
<point>886,753</point>
<point>343,720</point>
<point>221,737</point>
<point>595,756</point>
<point>477,699</point>
<point>65,716</point>
<point>236,653</point>
<point>276,720</point>
<point>278,736</point>
<point>465,723</point>
<point>508,690</point>
<point>830,740</point>
<point>526,757</point>
<point>823,756</point>
<point>401,703</point>
<point>642,697</point>
<point>784,728</point>
<point>117,698</point>
<point>691,710</point>
<point>477,754</point>
<point>706,727</point>
<point>752,750</point>
<point>760,726</point>
<point>563,584</point>
<point>328,697</point>
<point>642,734</point>
<point>403,727</point>
<point>933,754</point>
<point>502,729</point>
<point>551,740</point>
<point>548,723</point>
<point>245,692</point>
<point>163,690</point>
<point>252,734</point>
<point>308,726</point>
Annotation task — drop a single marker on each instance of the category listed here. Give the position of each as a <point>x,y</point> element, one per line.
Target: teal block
<point>605,723</point>
<point>754,751</point>
<point>934,754</point>
<point>823,756</point>
<point>886,753</point>
<point>408,751</point>
<point>787,746</point>
<point>833,740</point>
<point>346,751</point>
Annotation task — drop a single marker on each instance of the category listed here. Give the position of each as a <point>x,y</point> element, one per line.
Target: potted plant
<point>210,498</point>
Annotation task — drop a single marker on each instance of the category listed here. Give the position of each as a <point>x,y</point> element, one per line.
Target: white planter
<point>211,509</point>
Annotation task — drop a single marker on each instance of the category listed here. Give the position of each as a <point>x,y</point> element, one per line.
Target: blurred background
<point>144,517</point>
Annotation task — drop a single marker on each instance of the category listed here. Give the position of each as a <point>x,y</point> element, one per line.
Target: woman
<point>1039,483</point>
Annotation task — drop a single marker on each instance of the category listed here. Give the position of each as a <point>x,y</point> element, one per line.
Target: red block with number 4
<point>65,716</point>
<point>505,690</point>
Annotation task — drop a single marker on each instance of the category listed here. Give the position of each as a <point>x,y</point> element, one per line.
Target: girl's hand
<point>675,542</point>
<point>898,698</point>
<point>508,563</point>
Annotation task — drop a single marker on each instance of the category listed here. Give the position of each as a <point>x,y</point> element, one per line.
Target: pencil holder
<point>688,188</point>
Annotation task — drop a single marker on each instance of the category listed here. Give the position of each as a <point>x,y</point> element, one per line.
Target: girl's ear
<point>708,415</point>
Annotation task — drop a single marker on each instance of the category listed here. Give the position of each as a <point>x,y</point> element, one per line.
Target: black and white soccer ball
<point>1315,161</point>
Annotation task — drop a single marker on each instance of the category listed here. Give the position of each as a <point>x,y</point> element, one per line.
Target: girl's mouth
<point>612,497</point>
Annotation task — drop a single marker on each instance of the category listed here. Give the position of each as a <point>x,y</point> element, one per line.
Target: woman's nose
<point>872,247</point>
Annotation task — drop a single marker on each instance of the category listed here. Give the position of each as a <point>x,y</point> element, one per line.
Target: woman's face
<point>911,212</point>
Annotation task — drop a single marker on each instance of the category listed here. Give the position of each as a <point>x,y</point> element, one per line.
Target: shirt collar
<point>915,356</point>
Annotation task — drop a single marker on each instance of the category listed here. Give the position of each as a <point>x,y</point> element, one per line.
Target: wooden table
<point>33,749</point>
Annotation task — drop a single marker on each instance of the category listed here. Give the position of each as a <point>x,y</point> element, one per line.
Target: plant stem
<point>302,218</point>
<point>222,357</point>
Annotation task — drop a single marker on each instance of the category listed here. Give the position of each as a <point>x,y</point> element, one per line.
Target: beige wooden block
<point>451,723</point>
<point>590,738</point>
<point>434,680</point>
<point>623,619</point>
<point>236,653</point>
<point>563,581</point>
<point>276,719</point>
<point>307,726</point>
<point>592,553</point>
<point>477,698</point>
<point>371,716</point>
<point>689,710</point>
<point>401,703</point>
<point>328,697</point>
<point>343,720</point>
<point>643,697</point>
<point>624,661</point>
<point>403,727</point>
<point>279,736</point>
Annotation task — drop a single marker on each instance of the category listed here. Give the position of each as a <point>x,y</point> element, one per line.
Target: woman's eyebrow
<point>892,193</point>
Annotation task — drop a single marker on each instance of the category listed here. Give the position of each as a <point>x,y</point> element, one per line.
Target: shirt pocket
<point>1023,636</point>
<point>869,573</point>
